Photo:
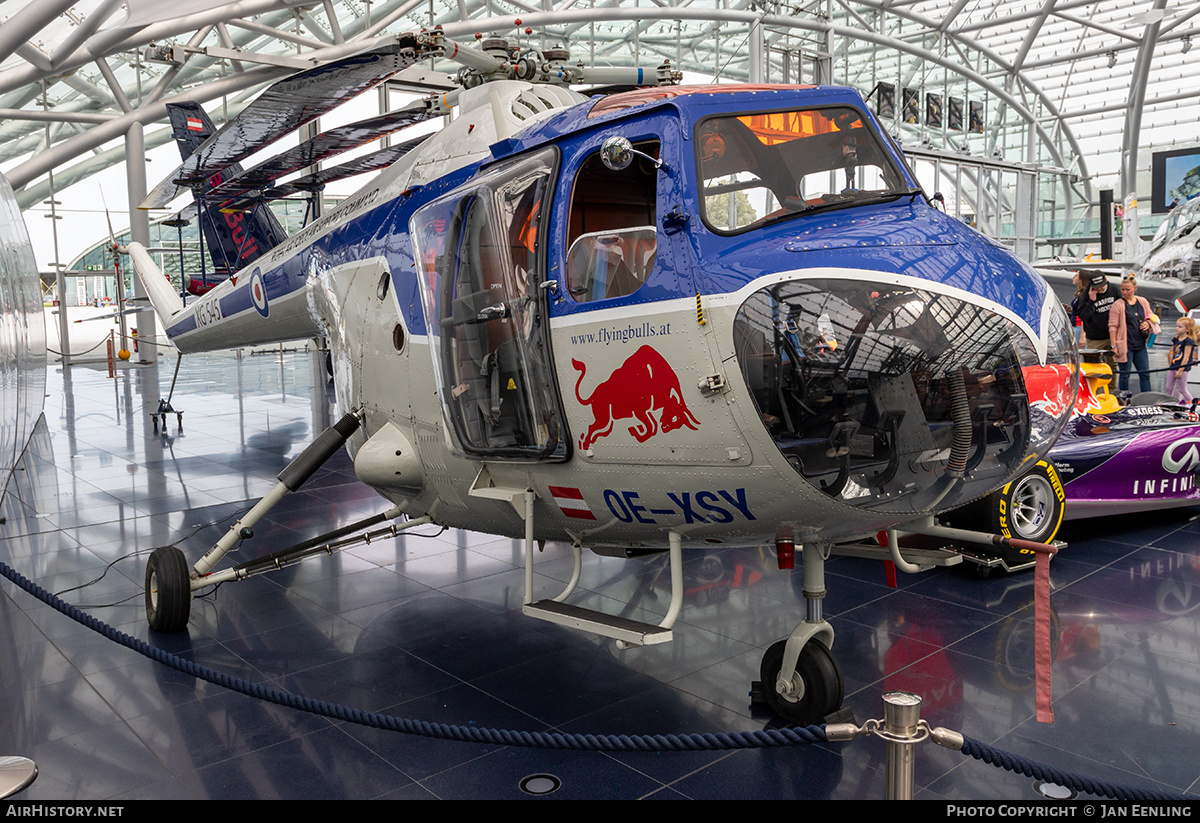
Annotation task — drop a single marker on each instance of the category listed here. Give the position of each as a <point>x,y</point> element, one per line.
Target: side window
<point>611,236</point>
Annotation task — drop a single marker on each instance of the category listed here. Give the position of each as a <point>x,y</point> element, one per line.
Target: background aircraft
<point>1167,268</point>
<point>234,238</point>
<point>1175,250</point>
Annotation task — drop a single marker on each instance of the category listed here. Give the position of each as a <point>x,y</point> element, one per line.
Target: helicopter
<point>652,318</point>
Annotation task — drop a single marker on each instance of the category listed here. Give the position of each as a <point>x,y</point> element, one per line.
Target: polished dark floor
<point>428,627</point>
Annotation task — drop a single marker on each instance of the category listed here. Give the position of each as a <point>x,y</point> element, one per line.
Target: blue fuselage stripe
<point>905,236</point>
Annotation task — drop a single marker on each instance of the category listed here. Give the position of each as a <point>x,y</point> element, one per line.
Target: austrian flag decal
<point>571,502</point>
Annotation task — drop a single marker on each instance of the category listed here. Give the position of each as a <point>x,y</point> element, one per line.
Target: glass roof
<point>1053,82</point>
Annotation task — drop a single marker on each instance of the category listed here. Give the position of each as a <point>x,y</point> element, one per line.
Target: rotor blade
<point>283,108</point>
<point>320,148</point>
<point>112,238</point>
<point>303,185</point>
<point>112,316</point>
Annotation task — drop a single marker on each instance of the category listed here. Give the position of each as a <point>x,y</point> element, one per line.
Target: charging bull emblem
<point>642,386</point>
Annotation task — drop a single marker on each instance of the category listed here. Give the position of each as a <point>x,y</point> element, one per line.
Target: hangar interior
<point>1019,113</point>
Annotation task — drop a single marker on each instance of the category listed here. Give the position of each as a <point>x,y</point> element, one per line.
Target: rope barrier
<point>1038,771</point>
<point>716,741</point>
<point>79,354</point>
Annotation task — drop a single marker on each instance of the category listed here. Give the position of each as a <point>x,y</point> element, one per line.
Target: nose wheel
<point>815,689</point>
<point>801,681</point>
<point>168,590</point>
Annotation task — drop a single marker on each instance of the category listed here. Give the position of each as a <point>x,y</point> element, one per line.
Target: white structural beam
<point>1029,63</point>
<point>109,42</point>
<point>1137,95</point>
<point>118,127</point>
<point>23,26</point>
<point>55,116</point>
<point>749,18</point>
<point>986,83</point>
<point>83,30</point>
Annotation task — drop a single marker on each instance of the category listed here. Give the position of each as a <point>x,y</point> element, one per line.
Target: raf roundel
<point>258,293</point>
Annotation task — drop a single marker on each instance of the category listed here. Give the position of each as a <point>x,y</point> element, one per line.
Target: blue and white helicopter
<point>649,320</point>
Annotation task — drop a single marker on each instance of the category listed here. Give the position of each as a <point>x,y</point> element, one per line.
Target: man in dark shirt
<point>1093,309</point>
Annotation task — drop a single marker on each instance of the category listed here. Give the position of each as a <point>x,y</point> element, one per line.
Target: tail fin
<point>162,295</point>
<point>236,239</point>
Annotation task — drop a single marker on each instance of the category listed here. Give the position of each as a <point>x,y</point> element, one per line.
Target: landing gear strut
<point>169,582</point>
<point>800,678</point>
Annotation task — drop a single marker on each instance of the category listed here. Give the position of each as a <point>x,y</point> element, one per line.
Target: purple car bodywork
<point>1138,458</point>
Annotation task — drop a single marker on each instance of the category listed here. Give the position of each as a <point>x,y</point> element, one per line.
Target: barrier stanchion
<point>902,730</point>
<point>15,774</point>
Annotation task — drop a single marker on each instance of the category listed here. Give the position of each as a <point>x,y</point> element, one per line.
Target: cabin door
<point>486,311</point>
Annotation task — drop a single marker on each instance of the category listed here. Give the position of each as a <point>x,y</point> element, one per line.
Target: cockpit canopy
<point>895,398</point>
<point>1178,222</point>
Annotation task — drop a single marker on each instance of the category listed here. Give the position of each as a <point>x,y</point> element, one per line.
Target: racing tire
<point>1153,398</point>
<point>818,673</point>
<point>168,590</point>
<point>1030,507</point>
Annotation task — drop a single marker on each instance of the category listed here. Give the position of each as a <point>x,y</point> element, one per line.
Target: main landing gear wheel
<point>818,684</point>
<point>168,590</point>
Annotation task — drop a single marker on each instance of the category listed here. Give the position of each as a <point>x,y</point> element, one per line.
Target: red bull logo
<point>246,250</point>
<point>644,388</point>
<point>1088,402</point>
<point>1049,389</point>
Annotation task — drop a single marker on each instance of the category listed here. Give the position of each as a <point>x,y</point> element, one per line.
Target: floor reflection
<point>428,626</point>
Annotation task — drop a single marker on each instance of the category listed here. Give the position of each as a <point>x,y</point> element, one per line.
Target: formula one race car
<point>1112,458</point>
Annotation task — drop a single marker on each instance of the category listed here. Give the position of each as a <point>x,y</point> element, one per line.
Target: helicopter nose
<point>904,397</point>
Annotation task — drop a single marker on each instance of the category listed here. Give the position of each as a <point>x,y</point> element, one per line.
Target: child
<point>1182,356</point>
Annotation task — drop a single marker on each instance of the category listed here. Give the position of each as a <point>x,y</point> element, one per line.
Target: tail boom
<point>249,309</point>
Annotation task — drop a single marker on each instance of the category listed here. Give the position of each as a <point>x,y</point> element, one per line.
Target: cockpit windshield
<point>756,169</point>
